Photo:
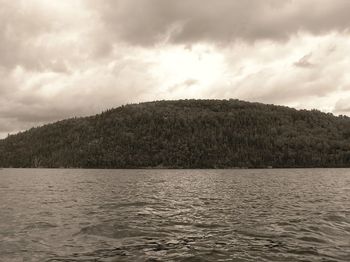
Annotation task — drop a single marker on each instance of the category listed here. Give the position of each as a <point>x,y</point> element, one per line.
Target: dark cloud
<point>186,21</point>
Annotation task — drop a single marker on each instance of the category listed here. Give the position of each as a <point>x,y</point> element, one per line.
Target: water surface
<point>174,215</point>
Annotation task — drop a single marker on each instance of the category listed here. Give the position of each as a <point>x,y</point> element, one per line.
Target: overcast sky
<point>66,58</point>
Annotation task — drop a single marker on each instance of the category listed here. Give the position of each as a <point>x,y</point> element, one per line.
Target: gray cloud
<point>20,25</point>
<point>304,61</point>
<point>185,84</point>
<point>44,36</point>
<point>66,58</point>
<point>33,98</point>
<point>342,106</point>
<point>143,22</point>
<point>316,80</point>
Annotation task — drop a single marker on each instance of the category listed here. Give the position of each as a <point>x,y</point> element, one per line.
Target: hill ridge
<point>186,134</point>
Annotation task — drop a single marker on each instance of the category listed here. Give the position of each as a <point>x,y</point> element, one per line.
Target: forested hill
<point>186,134</point>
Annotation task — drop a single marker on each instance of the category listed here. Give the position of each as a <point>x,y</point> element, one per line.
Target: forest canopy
<point>186,134</point>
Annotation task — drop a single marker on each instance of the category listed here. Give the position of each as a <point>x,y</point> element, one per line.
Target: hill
<point>186,134</point>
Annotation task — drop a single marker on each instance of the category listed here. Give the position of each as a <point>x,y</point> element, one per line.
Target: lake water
<point>174,215</point>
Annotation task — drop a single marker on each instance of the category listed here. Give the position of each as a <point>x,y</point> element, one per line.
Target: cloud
<point>66,58</point>
<point>43,35</point>
<point>267,72</point>
<point>342,106</point>
<point>187,83</point>
<point>40,97</point>
<point>304,61</point>
<point>191,21</point>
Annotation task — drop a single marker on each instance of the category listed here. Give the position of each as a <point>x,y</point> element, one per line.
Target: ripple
<point>40,225</point>
<point>175,215</point>
<point>127,204</point>
<point>312,239</point>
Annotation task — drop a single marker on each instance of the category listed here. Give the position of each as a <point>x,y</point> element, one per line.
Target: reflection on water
<point>175,215</point>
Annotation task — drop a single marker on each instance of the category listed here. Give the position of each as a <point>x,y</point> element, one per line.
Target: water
<point>174,215</point>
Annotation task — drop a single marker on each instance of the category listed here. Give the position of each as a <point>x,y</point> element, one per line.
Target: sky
<point>60,59</point>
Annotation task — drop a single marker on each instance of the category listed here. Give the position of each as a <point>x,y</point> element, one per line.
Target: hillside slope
<point>186,134</point>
